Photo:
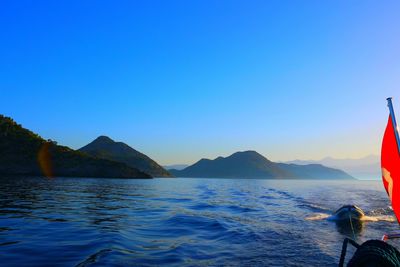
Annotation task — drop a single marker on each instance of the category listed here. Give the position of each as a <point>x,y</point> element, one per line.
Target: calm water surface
<point>181,222</point>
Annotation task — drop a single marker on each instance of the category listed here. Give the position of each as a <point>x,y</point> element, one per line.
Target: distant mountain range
<point>250,164</point>
<point>363,168</point>
<point>176,166</point>
<point>106,148</point>
<point>26,153</point>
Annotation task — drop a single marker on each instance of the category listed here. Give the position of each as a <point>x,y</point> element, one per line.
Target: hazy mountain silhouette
<point>365,167</point>
<point>250,164</point>
<point>176,166</point>
<point>105,147</point>
<point>26,153</point>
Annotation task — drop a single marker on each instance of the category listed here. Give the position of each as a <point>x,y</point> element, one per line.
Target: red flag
<point>390,163</point>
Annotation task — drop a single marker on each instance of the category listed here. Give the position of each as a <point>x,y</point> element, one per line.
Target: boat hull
<point>348,212</point>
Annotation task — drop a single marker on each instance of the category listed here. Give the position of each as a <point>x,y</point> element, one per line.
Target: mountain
<point>176,166</point>
<point>250,164</point>
<point>364,168</point>
<point>314,171</point>
<point>26,153</point>
<point>106,148</point>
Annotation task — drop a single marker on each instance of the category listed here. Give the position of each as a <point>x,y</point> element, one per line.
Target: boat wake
<point>366,218</point>
<point>318,217</point>
<point>373,216</point>
<point>379,218</point>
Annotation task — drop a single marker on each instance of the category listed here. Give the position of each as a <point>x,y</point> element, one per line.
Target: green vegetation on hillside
<point>26,153</point>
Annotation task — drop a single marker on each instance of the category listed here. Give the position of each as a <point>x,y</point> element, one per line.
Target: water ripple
<point>179,222</point>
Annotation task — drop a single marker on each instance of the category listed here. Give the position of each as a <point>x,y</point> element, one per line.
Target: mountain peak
<point>248,153</point>
<point>251,164</point>
<point>106,148</point>
<point>103,139</point>
<point>21,147</point>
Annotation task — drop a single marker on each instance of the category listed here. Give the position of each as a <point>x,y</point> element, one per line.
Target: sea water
<point>183,222</point>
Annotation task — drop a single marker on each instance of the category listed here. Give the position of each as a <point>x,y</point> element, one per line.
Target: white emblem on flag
<point>389,180</point>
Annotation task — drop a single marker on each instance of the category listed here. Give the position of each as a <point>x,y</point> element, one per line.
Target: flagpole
<point>396,130</point>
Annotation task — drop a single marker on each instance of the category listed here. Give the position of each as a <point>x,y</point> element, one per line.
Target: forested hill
<point>26,153</point>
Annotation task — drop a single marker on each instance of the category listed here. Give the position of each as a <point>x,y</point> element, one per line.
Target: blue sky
<point>183,80</point>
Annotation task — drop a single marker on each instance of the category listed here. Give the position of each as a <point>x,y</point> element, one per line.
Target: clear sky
<point>183,80</point>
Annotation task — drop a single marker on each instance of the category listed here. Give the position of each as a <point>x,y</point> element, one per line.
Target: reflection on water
<point>74,221</point>
<point>350,228</point>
